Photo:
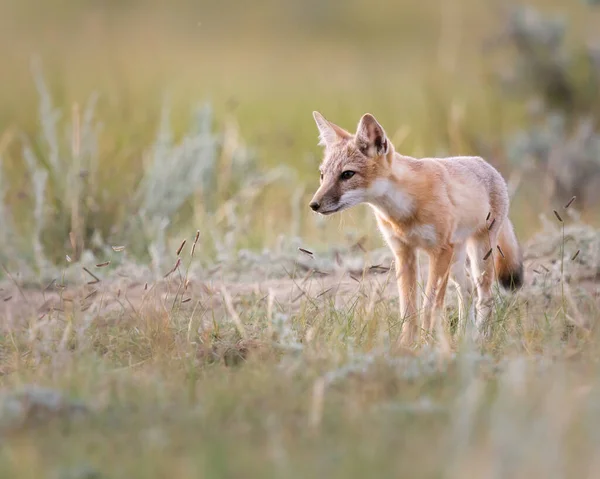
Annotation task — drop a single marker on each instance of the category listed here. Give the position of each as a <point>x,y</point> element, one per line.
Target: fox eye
<point>346,175</point>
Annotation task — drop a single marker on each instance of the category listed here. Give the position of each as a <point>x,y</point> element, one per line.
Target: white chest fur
<point>393,205</point>
<point>389,200</point>
<point>416,236</point>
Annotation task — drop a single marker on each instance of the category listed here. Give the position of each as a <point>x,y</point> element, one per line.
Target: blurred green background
<point>432,72</point>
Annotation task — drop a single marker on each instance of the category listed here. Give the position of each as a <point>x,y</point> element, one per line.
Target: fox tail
<point>509,264</point>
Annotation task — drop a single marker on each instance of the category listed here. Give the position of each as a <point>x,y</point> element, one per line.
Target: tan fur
<point>438,205</point>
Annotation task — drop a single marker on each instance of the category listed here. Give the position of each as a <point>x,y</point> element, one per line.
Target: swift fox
<point>449,207</point>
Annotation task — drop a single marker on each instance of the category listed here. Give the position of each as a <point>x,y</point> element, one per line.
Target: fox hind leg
<point>482,272</point>
<point>464,290</point>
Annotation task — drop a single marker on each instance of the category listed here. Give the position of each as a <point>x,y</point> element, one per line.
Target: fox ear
<point>329,133</point>
<point>370,137</point>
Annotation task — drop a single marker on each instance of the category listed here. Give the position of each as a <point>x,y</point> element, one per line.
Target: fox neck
<point>388,195</point>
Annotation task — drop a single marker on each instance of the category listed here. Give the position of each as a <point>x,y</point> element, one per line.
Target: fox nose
<point>314,205</point>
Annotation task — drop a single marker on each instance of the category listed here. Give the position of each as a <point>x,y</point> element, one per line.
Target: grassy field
<point>420,67</point>
<point>279,365</point>
<point>126,127</point>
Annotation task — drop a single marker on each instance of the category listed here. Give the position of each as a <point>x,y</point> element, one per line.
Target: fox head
<point>351,165</point>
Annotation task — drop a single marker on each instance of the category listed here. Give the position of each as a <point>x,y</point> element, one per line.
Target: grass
<point>253,358</point>
<point>431,87</point>
<point>295,377</point>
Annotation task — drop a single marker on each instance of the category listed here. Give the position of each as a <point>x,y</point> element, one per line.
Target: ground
<point>280,364</point>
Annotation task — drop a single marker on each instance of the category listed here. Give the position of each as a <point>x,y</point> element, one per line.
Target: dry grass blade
<point>102,265</point>
<point>10,276</point>
<point>324,292</point>
<point>232,312</point>
<point>338,259</point>
<point>492,224</point>
<point>302,293</point>
<point>500,250</point>
<point>379,267</point>
<point>576,317</point>
<point>575,255</point>
<point>50,284</point>
<point>174,268</point>
<point>359,244</point>
<point>8,298</point>
<point>195,242</point>
<point>187,300</point>
<point>487,255</point>
<point>118,249</point>
<point>68,258</point>
<point>93,293</point>
<point>557,216</point>
<point>305,251</point>
<point>570,202</point>
<point>488,216</point>
<point>180,247</point>
<point>96,279</point>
